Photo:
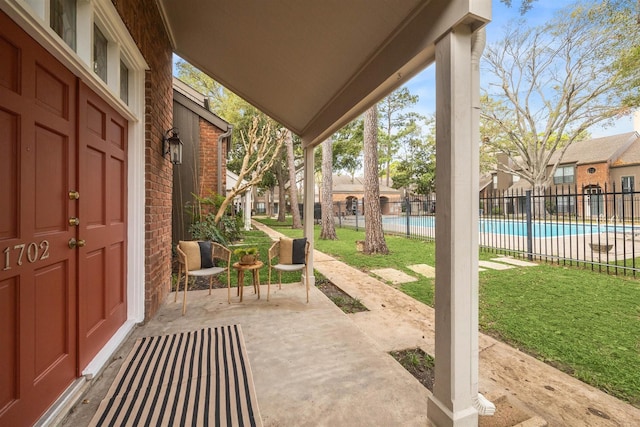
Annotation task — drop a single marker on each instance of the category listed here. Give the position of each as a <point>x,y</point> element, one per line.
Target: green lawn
<point>583,322</point>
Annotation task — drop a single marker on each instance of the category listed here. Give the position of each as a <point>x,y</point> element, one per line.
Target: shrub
<point>206,229</point>
<point>203,226</point>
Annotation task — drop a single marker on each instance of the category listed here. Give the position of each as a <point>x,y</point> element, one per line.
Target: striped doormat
<point>195,378</point>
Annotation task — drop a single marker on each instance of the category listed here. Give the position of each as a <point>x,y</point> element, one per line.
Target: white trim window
<point>564,175</point>
<point>99,53</point>
<point>124,82</point>
<point>93,30</point>
<point>628,184</point>
<point>62,19</point>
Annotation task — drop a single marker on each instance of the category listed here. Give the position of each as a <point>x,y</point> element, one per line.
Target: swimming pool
<point>538,229</point>
<point>518,228</point>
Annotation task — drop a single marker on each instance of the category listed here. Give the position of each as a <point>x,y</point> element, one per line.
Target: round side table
<point>255,270</point>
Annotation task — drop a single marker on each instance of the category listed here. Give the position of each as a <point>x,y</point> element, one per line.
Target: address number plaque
<point>29,252</point>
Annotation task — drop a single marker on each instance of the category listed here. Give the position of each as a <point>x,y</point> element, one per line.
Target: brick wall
<point>600,176</point>
<point>208,178</point>
<point>143,20</point>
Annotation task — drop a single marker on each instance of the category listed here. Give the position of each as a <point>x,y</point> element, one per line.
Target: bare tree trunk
<point>374,236</point>
<point>254,198</point>
<point>272,197</point>
<point>282,198</point>
<point>261,152</point>
<point>328,231</point>
<point>293,188</point>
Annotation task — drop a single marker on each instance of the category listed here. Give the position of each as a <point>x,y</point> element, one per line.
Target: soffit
<point>314,65</point>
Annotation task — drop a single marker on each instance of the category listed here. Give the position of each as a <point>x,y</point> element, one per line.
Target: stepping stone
<point>494,265</point>
<point>394,276</point>
<point>515,261</point>
<point>424,269</point>
<point>428,271</point>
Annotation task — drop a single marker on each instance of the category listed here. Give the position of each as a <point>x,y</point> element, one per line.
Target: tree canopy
<point>416,171</point>
<point>555,81</point>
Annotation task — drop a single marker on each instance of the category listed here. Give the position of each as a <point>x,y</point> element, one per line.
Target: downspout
<point>227,134</point>
<point>478,42</point>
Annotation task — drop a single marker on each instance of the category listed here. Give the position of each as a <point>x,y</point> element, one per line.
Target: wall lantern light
<point>173,146</point>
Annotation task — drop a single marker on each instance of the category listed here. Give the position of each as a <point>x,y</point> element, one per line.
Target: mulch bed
<point>340,298</point>
<point>418,363</point>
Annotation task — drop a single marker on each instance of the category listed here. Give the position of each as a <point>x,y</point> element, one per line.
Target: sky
<point>423,84</point>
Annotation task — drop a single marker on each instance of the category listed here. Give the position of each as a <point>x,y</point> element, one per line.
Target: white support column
<point>456,300</point>
<point>309,198</point>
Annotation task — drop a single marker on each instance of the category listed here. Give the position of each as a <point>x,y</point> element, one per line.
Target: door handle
<point>74,221</point>
<point>74,195</point>
<point>73,243</point>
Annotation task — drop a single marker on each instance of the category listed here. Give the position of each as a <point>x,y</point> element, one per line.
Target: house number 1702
<point>32,252</point>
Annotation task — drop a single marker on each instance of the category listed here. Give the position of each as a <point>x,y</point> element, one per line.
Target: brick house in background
<point>206,139</point>
<point>347,192</point>
<point>596,163</point>
<point>592,179</point>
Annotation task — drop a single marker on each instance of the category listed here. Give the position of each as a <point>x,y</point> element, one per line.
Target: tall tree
<point>525,5</point>
<point>279,170</point>
<point>222,101</point>
<point>556,81</point>
<point>293,188</point>
<point>347,148</point>
<point>328,230</point>
<point>374,242</point>
<point>398,125</point>
<point>417,170</point>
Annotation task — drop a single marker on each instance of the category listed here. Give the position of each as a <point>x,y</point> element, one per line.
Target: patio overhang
<point>314,66</point>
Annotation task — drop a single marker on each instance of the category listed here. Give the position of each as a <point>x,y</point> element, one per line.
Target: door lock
<point>74,221</point>
<point>73,243</point>
<point>74,195</point>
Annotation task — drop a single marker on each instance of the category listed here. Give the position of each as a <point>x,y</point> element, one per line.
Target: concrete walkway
<point>396,321</point>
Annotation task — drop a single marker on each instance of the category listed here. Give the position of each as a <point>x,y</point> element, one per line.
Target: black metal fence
<point>589,226</point>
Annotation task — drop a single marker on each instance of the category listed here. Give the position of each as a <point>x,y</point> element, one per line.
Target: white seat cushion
<point>207,271</point>
<point>288,267</point>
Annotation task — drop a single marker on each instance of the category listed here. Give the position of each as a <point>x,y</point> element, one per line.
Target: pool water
<point>519,228</point>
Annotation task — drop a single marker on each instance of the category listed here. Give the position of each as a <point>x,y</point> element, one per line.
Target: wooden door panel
<point>8,176</point>
<point>115,294</point>
<point>93,290</point>
<point>51,200</point>
<point>51,92</point>
<point>116,212</point>
<point>93,190</point>
<point>9,355</point>
<point>9,67</point>
<point>51,317</point>
<point>103,195</point>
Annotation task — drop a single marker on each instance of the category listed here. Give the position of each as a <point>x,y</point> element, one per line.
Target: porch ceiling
<point>314,65</point>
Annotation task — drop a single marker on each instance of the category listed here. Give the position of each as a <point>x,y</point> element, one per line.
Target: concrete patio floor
<point>313,365</point>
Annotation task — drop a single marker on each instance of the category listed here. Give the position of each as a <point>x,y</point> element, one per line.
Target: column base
<point>441,416</point>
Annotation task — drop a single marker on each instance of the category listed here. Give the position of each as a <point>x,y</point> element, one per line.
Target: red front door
<point>38,299</point>
<point>64,158</point>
